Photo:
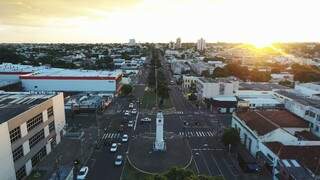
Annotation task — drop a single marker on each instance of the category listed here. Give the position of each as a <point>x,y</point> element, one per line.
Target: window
<point>53,142</point>
<point>221,89</point>
<point>318,117</point>
<point>39,156</point>
<point>21,173</point>
<point>17,153</point>
<point>50,112</point>
<point>317,128</point>
<point>34,122</point>
<point>36,138</point>
<point>51,126</point>
<point>15,134</point>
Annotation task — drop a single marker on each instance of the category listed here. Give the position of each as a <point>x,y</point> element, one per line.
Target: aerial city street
<point>159,90</point>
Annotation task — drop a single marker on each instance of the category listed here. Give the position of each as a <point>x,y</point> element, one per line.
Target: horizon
<point>230,21</point>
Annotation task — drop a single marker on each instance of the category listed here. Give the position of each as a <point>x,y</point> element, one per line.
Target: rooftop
<point>18,68</point>
<point>305,155</point>
<point>264,122</point>
<point>300,98</point>
<point>217,80</point>
<point>257,86</point>
<point>295,169</point>
<point>15,103</point>
<point>59,72</point>
<point>4,83</point>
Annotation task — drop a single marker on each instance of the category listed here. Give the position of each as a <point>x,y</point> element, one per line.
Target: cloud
<point>39,12</point>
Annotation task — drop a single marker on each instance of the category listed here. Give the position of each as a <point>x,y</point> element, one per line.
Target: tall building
<point>132,42</point>
<point>178,43</point>
<point>31,125</point>
<point>171,45</point>
<point>201,45</point>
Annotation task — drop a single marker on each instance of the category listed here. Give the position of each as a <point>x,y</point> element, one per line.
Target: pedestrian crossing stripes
<point>197,133</point>
<point>111,136</point>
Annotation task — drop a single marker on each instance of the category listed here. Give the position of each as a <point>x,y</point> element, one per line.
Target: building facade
<point>31,126</point>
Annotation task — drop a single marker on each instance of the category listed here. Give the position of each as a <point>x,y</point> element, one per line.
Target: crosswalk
<point>111,136</point>
<point>197,133</point>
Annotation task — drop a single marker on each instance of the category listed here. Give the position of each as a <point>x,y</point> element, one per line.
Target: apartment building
<point>31,125</point>
<point>209,88</point>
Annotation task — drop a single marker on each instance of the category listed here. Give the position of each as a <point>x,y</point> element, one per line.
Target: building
<point>31,125</point>
<point>311,90</point>
<point>275,135</point>
<point>261,86</point>
<point>201,44</point>
<point>281,77</point>
<point>188,80</point>
<point>178,43</point>
<point>10,71</point>
<point>258,99</point>
<point>210,88</point>
<point>199,67</point>
<point>302,106</point>
<point>172,45</point>
<point>132,42</point>
<point>179,67</point>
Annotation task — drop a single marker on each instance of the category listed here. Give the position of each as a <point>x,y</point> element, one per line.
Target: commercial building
<point>179,67</point>
<point>31,125</point>
<point>201,44</point>
<point>209,88</point>
<point>64,80</point>
<point>187,81</point>
<point>311,89</point>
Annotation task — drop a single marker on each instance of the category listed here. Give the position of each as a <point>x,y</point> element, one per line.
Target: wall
<point>7,171</point>
<point>68,85</point>
<point>59,114</point>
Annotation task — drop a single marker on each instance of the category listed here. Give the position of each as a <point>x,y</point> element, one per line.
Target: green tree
<point>220,72</point>
<point>126,89</point>
<point>205,73</point>
<point>230,137</point>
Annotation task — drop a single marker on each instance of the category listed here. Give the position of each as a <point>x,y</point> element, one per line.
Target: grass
<point>149,101</point>
<point>129,173</point>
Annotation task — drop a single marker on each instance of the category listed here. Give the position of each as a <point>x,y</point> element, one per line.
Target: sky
<point>107,21</point>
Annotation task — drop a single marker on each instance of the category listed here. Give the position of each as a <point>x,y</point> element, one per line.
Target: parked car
<point>114,147</point>
<point>134,111</point>
<point>83,173</point>
<point>130,123</point>
<point>125,138</point>
<point>118,160</point>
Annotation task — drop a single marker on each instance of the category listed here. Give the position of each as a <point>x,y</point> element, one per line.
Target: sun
<point>261,44</point>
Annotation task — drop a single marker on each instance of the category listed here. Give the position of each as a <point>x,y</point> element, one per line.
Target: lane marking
<point>215,161</point>
<point>205,162</point>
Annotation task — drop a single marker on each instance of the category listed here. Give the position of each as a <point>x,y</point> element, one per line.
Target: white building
<point>258,99</point>
<point>199,67</point>
<point>201,44</point>
<point>302,106</point>
<point>31,125</point>
<point>281,77</point>
<point>274,135</point>
<point>179,67</point>
<point>311,90</point>
<point>210,88</point>
<point>10,71</point>
<point>132,42</point>
<point>178,43</point>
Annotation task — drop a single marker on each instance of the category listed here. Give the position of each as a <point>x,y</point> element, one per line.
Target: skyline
<point>248,21</point>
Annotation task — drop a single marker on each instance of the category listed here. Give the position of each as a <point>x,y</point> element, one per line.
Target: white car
<point>125,138</point>
<point>118,160</point>
<point>114,147</point>
<point>127,113</point>
<point>146,119</point>
<point>130,123</point>
<point>83,173</point>
<point>134,111</point>
<point>131,105</point>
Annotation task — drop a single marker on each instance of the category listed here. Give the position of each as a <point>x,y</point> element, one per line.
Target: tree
<point>183,174</point>
<point>220,72</point>
<point>231,137</point>
<point>205,73</point>
<point>126,89</point>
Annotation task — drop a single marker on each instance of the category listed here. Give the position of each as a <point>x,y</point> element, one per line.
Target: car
<point>130,123</point>
<point>83,173</point>
<point>125,138</point>
<point>114,147</point>
<point>171,82</point>
<point>134,111</point>
<point>127,113</point>
<point>121,128</point>
<point>118,160</point>
<point>131,105</point>
<point>146,119</point>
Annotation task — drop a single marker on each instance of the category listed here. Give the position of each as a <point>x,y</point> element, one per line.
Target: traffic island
<point>144,159</point>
